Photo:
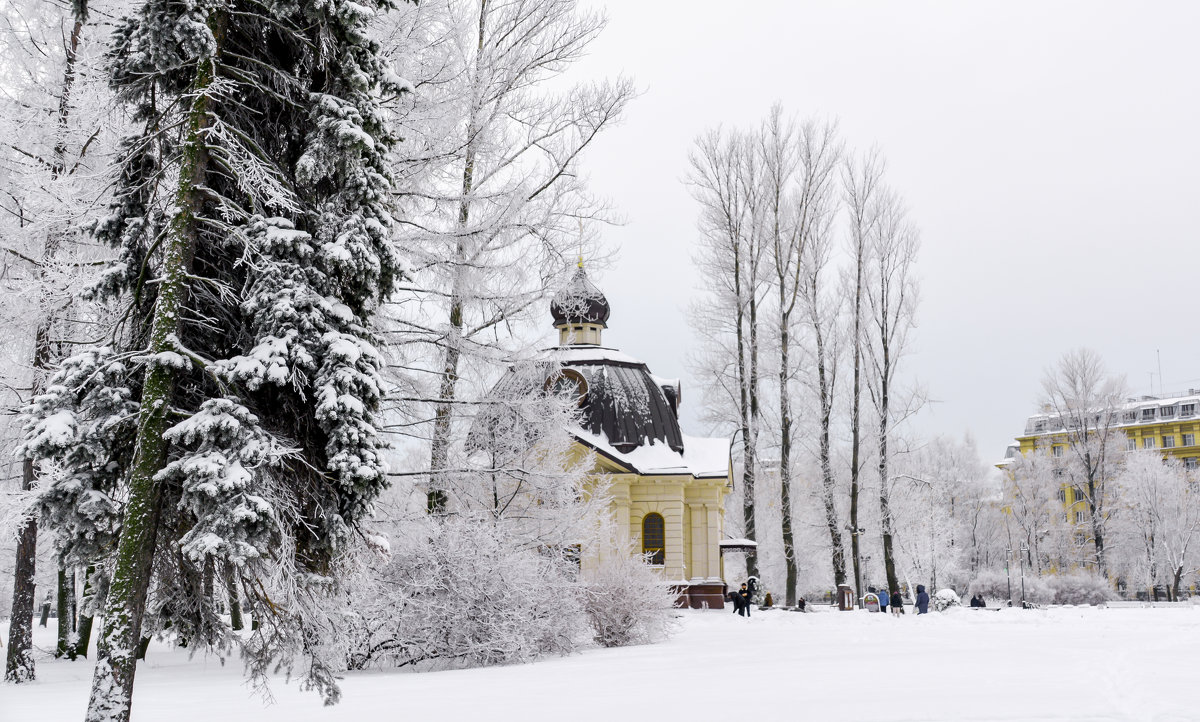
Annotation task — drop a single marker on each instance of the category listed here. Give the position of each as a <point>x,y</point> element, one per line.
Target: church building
<point>668,489</point>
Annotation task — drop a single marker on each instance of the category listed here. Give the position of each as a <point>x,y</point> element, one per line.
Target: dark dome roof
<point>579,302</point>
<point>622,401</point>
<point>625,404</point>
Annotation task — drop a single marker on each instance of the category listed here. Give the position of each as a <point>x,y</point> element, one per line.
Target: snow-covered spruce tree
<point>228,426</point>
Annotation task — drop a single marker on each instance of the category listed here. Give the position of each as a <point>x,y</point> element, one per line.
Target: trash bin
<point>845,597</point>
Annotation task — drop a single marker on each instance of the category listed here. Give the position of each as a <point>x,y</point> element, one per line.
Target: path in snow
<point>1059,664</point>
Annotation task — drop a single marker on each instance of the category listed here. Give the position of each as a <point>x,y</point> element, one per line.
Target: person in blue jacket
<point>883,600</point>
<point>922,600</point>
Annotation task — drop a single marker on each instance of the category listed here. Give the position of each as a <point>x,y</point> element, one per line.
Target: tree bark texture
<point>112,683</point>
<point>19,666</point>
<point>64,648</point>
<point>85,620</point>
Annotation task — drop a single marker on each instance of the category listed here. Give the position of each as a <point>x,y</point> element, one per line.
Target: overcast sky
<point>1047,151</point>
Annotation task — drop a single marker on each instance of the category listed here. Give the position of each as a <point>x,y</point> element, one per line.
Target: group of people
<point>895,600</point>
<point>744,597</point>
<point>977,601</point>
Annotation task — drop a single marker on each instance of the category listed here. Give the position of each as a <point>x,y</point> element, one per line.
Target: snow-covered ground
<point>1057,664</point>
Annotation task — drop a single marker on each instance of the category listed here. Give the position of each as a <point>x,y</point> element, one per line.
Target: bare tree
<point>1086,400</point>
<point>1157,505</point>
<point>823,310</point>
<point>43,197</point>
<point>799,167</point>
<point>862,180</point>
<point>723,177</point>
<point>891,299</point>
<point>495,206</point>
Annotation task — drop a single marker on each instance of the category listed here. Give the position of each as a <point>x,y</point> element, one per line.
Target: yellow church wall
<point>693,512</point>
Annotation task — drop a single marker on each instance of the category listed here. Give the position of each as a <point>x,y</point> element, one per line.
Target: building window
<point>1147,414</point>
<point>1168,442</point>
<point>1187,410</point>
<point>654,539</point>
<point>1062,495</point>
<point>1189,463</point>
<point>1189,439</point>
<point>1057,450</point>
<point>1130,416</point>
<point>1148,442</point>
<point>1130,444</point>
<point>1166,412</point>
<point>1079,517</point>
<point>1079,495</point>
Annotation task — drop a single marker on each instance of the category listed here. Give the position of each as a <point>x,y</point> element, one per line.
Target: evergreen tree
<point>227,431</point>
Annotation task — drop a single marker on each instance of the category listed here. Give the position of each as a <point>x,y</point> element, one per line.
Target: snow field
<point>1063,664</point>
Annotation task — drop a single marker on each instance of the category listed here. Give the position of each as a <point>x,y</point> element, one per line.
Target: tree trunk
<point>439,453</point>
<point>85,620</point>
<point>828,481</point>
<point>749,462</point>
<point>785,457</point>
<point>64,646</point>
<point>752,460</point>
<point>112,683</point>
<point>1097,525</point>
<point>856,425</point>
<point>889,559</point>
<point>19,666</point>
<point>235,598</point>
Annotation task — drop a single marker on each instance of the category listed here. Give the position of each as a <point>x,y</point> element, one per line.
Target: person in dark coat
<point>744,601</point>
<point>897,600</point>
<point>977,601</point>
<point>922,600</point>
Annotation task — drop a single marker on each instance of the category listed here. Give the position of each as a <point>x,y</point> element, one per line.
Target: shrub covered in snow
<point>462,595</point>
<point>1070,588</point>
<point>991,584</point>
<point>1080,587</point>
<point>944,599</point>
<point>626,603</point>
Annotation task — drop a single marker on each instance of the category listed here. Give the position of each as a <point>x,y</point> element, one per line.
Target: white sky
<point>1048,152</point>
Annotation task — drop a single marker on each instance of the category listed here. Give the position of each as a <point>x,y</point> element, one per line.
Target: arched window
<point>654,539</point>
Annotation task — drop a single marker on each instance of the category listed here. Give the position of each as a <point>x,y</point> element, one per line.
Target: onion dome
<point>579,302</point>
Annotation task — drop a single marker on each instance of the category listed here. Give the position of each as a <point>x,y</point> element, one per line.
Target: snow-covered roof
<point>582,354</point>
<point>702,458</point>
<point>738,544</point>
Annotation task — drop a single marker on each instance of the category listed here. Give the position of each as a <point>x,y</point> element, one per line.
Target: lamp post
<point>1024,551</point>
<point>857,567</point>
<point>1008,572</point>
